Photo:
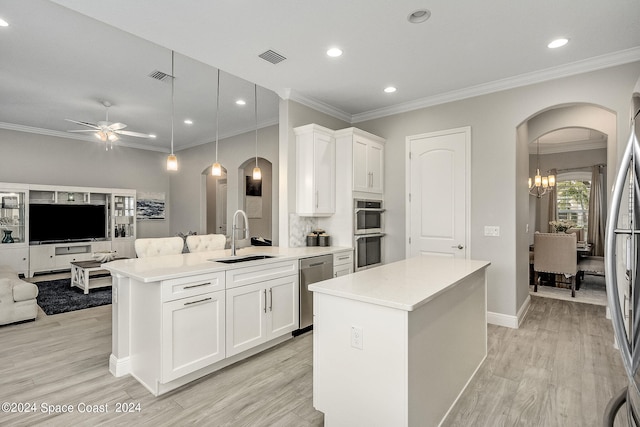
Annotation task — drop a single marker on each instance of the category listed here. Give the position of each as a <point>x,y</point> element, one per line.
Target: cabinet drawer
<point>260,273</point>
<point>193,285</point>
<point>341,258</point>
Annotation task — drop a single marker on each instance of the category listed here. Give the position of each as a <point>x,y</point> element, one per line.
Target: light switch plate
<point>492,230</point>
<point>356,337</point>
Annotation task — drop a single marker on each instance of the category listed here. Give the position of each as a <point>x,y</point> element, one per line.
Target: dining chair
<point>206,242</point>
<point>555,253</point>
<point>158,246</point>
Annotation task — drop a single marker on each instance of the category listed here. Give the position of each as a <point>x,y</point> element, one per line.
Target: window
<point>573,190</point>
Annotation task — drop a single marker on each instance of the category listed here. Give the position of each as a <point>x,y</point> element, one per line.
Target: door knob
<point>458,247</point>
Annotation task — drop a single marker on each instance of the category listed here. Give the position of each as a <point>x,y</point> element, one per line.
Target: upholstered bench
<point>17,298</point>
<point>591,264</point>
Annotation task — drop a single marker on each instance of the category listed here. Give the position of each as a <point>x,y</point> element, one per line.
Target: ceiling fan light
<point>172,162</point>
<point>257,173</point>
<point>216,169</point>
<point>101,136</point>
<point>113,136</point>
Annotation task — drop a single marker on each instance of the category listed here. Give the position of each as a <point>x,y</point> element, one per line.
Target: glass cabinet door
<point>12,216</point>
<point>124,210</point>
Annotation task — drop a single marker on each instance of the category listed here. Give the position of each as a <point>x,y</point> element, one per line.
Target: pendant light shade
<point>216,168</point>
<point>172,160</point>
<point>257,173</point>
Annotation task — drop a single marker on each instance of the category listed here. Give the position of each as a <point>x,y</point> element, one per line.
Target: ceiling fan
<point>107,131</point>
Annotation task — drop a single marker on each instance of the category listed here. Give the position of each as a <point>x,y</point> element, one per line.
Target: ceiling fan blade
<point>117,126</point>
<point>81,130</point>
<point>91,125</point>
<point>136,134</point>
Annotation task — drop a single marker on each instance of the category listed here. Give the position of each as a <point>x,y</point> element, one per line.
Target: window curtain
<point>595,235</point>
<point>553,205</point>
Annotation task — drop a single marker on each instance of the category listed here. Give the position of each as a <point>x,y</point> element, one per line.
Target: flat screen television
<point>51,223</point>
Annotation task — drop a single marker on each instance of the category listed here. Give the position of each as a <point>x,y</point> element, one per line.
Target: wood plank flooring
<point>558,369</point>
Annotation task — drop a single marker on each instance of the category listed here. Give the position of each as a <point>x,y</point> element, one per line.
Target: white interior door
<point>438,205</point>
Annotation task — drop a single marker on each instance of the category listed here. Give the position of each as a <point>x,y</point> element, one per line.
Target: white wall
<point>40,159</point>
<point>498,169</point>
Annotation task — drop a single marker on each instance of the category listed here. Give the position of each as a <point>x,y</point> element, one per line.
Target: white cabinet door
<point>375,165</point>
<point>246,317</point>
<point>342,270</point>
<point>360,170</point>
<point>16,258</point>
<point>315,171</point>
<point>193,334</point>
<point>41,258</point>
<point>282,313</point>
<point>368,165</point>
<point>325,174</point>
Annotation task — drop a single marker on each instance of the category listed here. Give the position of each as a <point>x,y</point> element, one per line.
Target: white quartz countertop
<point>154,269</point>
<point>405,285</point>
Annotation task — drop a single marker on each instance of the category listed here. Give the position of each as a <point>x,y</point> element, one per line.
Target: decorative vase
<point>117,232</point>
<point>123,233</point>
<point>7,236</point>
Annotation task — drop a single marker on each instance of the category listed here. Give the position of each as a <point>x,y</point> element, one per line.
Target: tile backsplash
<point>299,227</point>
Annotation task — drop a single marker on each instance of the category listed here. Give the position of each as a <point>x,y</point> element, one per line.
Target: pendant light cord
<point>255,101</point>
<point>217,113</point>
<point>172,81</point>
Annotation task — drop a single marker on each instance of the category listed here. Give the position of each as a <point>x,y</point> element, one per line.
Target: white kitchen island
<point>396,345</point>
<point>179,317</point>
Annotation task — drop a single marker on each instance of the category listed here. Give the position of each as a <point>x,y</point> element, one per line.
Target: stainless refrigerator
<point>622,265</point>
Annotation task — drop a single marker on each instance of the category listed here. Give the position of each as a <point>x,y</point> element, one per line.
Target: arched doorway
<point>578,137</point>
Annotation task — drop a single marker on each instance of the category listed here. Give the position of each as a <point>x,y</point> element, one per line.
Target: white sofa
<point>17,298</point>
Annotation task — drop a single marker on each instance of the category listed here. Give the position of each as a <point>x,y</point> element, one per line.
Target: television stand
<point>59,256</point>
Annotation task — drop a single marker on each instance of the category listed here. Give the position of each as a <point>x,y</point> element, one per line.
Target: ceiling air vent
<point>159,75</point>
<point>272,56</point>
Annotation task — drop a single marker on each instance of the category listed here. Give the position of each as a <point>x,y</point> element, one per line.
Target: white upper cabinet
<point>368,163</point>
<point>315,171</point>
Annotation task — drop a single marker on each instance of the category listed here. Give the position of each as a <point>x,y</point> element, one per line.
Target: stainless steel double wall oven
<point>368,233</point>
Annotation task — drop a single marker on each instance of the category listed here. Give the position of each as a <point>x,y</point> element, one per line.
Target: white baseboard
<point>119,367</point>
<point>508,321</point>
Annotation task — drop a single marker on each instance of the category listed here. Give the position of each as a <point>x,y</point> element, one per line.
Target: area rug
<point>57,296</point>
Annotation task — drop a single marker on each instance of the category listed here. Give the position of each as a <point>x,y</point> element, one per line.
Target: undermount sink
<point>233,260</point>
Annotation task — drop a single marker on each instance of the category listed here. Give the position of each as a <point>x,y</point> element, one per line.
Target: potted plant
<point>561,226</point>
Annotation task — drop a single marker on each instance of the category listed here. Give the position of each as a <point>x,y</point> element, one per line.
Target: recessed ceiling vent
<point>159,75</point>
<point>272,56</point>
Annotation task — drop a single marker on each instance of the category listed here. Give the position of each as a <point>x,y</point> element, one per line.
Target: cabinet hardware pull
<point>270,300</point>
<point>265,300</point>
<point>344,257</point>
<point>316,199</point>
<point>196,286</point>
<point>195,302</point>
<point>315,264</point>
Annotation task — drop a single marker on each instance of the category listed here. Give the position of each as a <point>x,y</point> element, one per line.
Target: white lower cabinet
<point>16,257</point>
<point>259,312</point>
<point>342,263</point>
<point>192,334</point>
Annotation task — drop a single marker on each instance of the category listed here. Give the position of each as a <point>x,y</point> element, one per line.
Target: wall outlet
<point>356,337</point>
<point>492,230</point>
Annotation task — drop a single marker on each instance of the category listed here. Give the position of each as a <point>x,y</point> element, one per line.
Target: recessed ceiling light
<point>334,52</point>
<point>419,16</point>
<point>390,89</point>
<point>188,122</point>
<point>152,136</point>
<point>3,23</point>
<point>557,43</point>
<point>241,102</point>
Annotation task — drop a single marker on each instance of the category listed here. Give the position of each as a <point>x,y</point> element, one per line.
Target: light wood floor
<point>558,369</point>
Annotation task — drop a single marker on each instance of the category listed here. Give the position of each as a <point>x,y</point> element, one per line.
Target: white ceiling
<point>58,64</point>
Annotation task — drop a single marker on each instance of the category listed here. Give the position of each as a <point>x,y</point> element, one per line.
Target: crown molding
<point>578,67</point>
<point>319,106</point>
<point>565,147</point>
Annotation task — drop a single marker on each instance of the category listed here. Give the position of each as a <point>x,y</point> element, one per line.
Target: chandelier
<point>541,185</point>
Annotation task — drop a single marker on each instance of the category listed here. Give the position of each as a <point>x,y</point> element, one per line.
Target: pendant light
<point>216,168</point>
<point>541,185</point>
<point>172,160</point>
<point>257,173</point>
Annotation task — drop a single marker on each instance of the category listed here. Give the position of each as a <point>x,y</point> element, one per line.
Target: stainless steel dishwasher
<point>312,270</point>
